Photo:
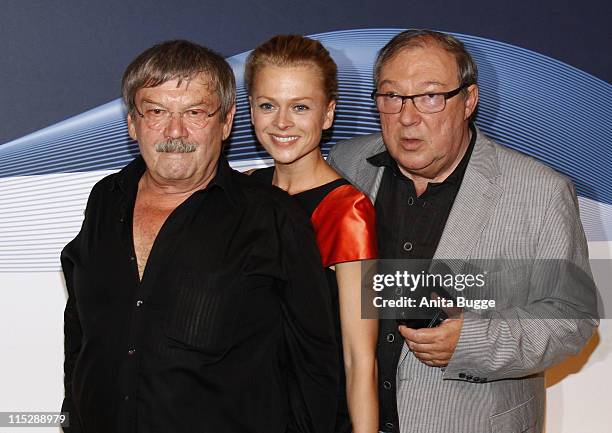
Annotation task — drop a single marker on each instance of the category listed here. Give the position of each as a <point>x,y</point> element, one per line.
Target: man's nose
<point>175,127</point>
<point>409,114</point>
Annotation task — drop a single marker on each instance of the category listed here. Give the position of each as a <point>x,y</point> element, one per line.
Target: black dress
<point>343,219</point>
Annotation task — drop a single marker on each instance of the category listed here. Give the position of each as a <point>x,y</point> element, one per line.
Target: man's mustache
<point>175,145</point>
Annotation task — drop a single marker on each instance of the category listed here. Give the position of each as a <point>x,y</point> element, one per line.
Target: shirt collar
<point>384,159</point>
<point>128,177</point>
<point>226,180</point>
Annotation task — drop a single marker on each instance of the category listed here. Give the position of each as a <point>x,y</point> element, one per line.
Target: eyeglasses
<point>158,118</point>
<point>427,103</point>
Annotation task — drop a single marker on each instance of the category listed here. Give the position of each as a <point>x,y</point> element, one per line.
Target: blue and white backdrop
<point>530,101</point>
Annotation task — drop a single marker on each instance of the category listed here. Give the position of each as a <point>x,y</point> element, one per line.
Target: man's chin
<point>174,168</point>
<point>413,165</point>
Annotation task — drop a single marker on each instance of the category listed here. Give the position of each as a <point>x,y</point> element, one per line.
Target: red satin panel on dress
<point>345,226</point>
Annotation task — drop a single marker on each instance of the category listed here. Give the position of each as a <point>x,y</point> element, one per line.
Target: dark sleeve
<point>72,325</point>
<point>309,330</point>
<point>72,344</point>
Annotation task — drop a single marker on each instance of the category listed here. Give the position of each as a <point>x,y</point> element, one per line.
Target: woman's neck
<point>306,173</point>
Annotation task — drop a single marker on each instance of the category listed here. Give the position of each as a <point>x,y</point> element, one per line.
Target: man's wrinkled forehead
<point>199,81</point>
<point>425,58</point>
<point>200,86</point>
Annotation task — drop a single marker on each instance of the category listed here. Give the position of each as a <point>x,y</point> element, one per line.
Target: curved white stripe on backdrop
<point>529,102</point>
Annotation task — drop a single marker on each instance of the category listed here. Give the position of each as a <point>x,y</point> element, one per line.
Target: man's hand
<point>434,346</point>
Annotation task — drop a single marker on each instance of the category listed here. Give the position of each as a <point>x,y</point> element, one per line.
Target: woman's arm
<point>359,348</point>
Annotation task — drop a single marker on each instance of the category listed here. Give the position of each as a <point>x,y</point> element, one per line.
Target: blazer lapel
<point>473,206</point>
<point>368,177</point>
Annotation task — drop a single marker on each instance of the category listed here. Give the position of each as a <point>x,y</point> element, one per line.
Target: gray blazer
<point>508,206</point>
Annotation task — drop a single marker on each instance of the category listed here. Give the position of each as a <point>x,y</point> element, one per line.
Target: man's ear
<point>131,127</point>
<point>471,101</point>
<point>228,121</point>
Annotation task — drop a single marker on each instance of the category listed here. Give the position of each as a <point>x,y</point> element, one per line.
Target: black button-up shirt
<point>408,227</point>
<point>230,329</point>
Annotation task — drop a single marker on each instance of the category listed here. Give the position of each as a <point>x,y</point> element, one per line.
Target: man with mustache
<point>197,300</point>
<point>443,190</point>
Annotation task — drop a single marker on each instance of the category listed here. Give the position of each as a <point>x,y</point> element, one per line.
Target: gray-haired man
<point>197,299</point>
<point>443,190</point>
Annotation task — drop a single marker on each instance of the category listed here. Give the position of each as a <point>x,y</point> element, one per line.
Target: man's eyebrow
<point>387,82</point>
<point>431,83</point>
<point>421,84</point>
<point>193,104</point>
<point>150,101</point>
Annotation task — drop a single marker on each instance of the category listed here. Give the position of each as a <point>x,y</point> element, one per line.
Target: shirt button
<point>131,352</point>
<point>476,379</point>
<point>468,377</point>
<point>410,201</point>
<point>461,375</point>
<point>389,425</point>
<point>408,246</point>
<point>126,397</point>
<point>390,338</point>
<point>138,303</point>
<point>387,385</point>
<point>132,258</point>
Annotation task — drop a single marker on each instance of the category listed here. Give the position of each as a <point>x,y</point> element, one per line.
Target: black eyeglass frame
<point>447,95</point>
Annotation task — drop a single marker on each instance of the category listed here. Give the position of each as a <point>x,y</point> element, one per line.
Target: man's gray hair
<point>468,71</point>
<point>180,60</point>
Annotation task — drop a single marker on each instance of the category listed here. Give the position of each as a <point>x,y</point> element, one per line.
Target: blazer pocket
<point>202,320</point>
<point>521,419</point>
